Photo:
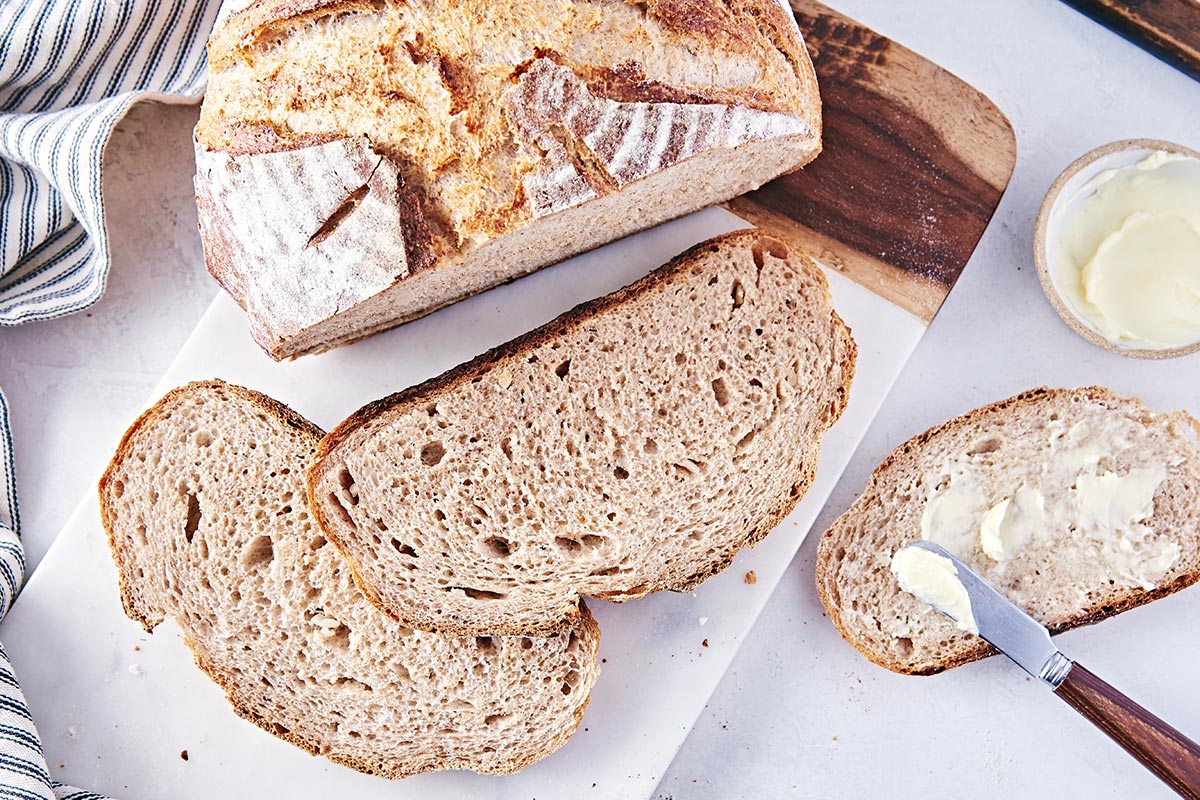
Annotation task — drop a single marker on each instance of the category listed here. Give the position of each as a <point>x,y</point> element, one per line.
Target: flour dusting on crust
<point>311,243</point>
<point>594,145</point>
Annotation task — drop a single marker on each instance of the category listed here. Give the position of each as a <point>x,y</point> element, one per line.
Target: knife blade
<point>1004,626</point>
<point>1170,755</point>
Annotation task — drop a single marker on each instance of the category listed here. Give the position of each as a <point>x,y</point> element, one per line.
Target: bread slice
<point>633,444</point>
<point>1073,567</point>
<point>360,164</point>
<point>204,507</point>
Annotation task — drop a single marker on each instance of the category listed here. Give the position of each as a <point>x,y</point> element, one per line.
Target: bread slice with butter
<point>1076,504</point>
<point>204,507</point>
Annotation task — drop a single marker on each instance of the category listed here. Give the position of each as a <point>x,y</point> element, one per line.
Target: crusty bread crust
<point>826,580</point>
<point>585,626</point>
<point>605,115</point>
<point>412,397</point>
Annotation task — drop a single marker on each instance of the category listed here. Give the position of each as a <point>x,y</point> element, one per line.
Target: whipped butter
<point>933,579</point>
<point>1009,524</point>
<point>1126,259</point>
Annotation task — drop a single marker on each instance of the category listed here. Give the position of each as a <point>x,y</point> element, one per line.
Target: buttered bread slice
<point>204,508</point>
<point>634,444</point>
<point>1074,503</point>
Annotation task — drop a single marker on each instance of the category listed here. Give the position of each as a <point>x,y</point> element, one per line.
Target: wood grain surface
<point>1170,29</point>
<point>915,162</point>
<point>1163,750</point>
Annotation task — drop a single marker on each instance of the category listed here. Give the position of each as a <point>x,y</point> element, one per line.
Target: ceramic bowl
<point>1047,230</point>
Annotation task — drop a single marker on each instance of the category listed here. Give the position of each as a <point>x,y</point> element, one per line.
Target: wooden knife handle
<point>1163,750</point>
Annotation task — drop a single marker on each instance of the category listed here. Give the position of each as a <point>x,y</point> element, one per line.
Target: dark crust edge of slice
<point>585,623</point>
<point>561,325</point>
<point>1089,616</point>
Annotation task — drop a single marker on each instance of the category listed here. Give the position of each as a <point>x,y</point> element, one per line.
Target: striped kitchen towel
<point>69,70</point>
<point>23,772</point>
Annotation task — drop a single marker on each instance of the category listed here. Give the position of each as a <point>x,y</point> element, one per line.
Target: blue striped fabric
<point>69,70</point>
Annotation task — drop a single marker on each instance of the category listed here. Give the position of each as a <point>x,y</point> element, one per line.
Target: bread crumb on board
<point>751,577</point>
<point>704,643</point>
<point>183,754</point>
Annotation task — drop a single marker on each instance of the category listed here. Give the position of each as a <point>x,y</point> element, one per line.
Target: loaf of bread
<point>634,444</point>
<point>360,163</point>
<point>1075,504</point>
<point>204,507</point>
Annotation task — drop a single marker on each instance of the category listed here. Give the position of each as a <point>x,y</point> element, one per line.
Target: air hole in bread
<point>258,553</point>
<point>989,444</point>
<point>403,549</point>
<point>346,481</point>
<point>497,547</point>
<point>904,646</point>
<point>720,391</point>
<point>193,517</point>
<point>345,680</point>
<point>606,571</point>
<point>432,453</point>
<point>527,644</point>
<point>592,541</point>
<point>279,729</point>
<point>621,473</point>
<point>744,442</point>
<point>680,359</point>
<point>203,438</point>
<point>339,638</point>
<point>738,293</point>
<point>485,644</point>
<point>340,510</point>
<point>118,489</point>
<point>568,546</point>
<point>776,248</point>
<point>650,446</point>
<point>492,719</point>
<point>563,369</point>
<point>476,594</point>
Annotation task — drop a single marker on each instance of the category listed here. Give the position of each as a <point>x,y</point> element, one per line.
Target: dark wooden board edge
<point>914,164</point>
<point>1167,29</point>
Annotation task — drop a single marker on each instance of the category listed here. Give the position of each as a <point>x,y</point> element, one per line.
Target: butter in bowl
<point>1117,247</point>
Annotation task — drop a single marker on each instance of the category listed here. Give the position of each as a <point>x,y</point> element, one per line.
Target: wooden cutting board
<point>1169,29</point>
<point>914,164</point>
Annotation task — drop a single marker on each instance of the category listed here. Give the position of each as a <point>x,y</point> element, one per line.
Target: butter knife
<point>1163,750</point>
